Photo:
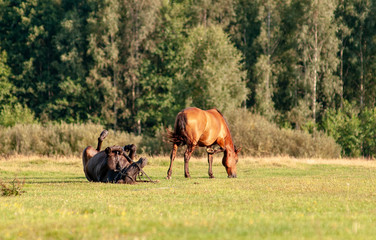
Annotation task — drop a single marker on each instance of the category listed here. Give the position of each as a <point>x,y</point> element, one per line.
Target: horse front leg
<point>172,158</point>
<point>187,156</point>
<point>210,161</point>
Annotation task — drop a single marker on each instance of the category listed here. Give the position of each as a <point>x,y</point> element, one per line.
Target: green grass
<point>271,199</point>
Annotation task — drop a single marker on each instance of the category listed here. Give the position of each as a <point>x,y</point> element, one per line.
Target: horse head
<point>229,161</point>
<point>114,157</point>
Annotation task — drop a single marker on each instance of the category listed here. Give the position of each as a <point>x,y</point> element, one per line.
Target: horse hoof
<point>103,135</point>
<point>211,176</point>
<point>168,177</point>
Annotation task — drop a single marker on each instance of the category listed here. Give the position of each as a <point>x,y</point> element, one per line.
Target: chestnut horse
<point>203,128</point>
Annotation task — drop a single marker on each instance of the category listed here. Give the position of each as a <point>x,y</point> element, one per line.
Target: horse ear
<point>237,150</point>
<point>108,150</point>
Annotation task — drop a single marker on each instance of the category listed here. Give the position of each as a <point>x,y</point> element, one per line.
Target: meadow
<point>272,198</point>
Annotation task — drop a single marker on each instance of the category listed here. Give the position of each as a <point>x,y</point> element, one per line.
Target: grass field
<point>272,198</point>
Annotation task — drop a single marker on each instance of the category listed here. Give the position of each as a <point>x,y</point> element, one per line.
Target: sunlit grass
<point>281,198</point>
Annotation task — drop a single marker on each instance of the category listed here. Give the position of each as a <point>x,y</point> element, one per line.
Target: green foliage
<point>368,130</point>
<point>318,48</point>
<point>27,30</point>
<point>265,68</point>
<point>354,130</point>
<point>6,87</point>
<point>212,75</point>
<point>132,65</point>
<point>156,105</point>
<point>345,127</point>
<point>10,115</point>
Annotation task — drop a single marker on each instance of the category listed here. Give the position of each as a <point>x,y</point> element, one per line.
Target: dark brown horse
<point>111,165</point>
<point>204,128</point>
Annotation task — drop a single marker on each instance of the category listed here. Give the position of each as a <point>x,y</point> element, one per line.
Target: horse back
<point>95,166</point>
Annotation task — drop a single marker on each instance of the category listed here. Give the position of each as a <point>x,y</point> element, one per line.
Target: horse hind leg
<point>103,135</point>
<point>172,158</point>
<point>187,156</point>
<point>210,162</point>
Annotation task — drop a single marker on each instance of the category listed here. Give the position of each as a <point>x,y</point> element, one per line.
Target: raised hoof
<point>210,150</point>
<point>130,147</point>
<point>103,135</point>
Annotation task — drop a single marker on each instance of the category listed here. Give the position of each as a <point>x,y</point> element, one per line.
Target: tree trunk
<point>361,73</point>
<point>315,75</point>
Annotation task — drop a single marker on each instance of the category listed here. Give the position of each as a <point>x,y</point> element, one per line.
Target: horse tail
<point>85,160</point>
<point>179,135</point>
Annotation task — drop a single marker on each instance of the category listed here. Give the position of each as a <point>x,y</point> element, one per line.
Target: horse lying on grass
<point>113,164</point>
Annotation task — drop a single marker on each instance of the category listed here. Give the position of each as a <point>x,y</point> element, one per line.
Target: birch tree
<point>318,47</point>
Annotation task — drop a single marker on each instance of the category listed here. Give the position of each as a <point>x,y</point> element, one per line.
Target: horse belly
<point>202,128</point>
<point>210,135</point>
<point>213,131</point>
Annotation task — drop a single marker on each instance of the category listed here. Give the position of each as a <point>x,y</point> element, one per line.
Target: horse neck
<point>229,147</point>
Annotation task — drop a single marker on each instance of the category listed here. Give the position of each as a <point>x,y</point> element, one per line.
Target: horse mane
<point>228,128</point>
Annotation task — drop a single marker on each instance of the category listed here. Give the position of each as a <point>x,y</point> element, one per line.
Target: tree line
<point>133,64</point>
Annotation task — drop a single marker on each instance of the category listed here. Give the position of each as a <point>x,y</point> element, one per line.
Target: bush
<point>57,139</point>
<point>259,137</point>
<point>355,131</point>
<point>10,115</point>
<point>253,133</point>
<point>344,127</point>
<point>158,144</point>
<point>368,132</point>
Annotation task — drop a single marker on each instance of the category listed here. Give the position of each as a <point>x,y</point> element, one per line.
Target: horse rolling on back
<point>111,165</point>
<point>203,128</point>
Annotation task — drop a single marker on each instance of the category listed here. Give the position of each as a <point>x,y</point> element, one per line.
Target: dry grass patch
<point>295,162</point>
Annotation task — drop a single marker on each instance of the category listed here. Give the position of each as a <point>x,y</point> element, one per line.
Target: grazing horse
<point>204,128</point>
<point>111,165</point>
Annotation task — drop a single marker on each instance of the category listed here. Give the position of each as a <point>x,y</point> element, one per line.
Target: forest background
<point>293,77</point>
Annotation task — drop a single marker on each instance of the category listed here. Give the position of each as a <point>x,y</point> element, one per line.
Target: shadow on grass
<point>48,180</point>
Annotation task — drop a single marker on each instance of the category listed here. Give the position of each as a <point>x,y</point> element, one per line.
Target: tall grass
<point>57,139</point>
<point>253,133</point>
<point>258,137</point>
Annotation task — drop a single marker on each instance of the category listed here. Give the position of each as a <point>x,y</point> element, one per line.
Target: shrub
<point>353,129</point>
<point>10,115</point>
<point>158,144</point>
<point>368,132</point>
<point>259,137</point>
<point>256,136</point>
<point>12,189</point>
<point>57,139</point>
